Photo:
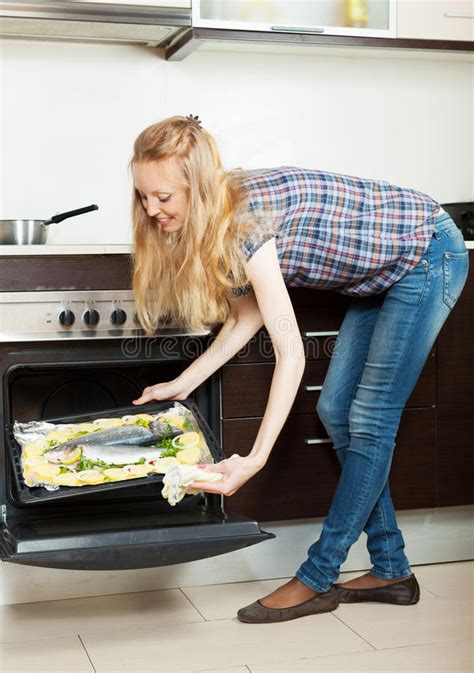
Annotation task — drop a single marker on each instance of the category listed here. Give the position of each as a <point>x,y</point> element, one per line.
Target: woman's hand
<point>170,390</point>
<point>236,471</point>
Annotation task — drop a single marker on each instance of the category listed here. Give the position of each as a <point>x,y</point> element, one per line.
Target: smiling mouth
<point>165,220</point>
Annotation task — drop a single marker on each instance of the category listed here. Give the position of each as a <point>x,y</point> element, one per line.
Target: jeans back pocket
<point>455,269</point>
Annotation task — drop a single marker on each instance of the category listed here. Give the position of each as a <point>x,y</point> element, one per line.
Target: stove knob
<point>118,316</point>
<point>91,317</point>
<point>66,318</point>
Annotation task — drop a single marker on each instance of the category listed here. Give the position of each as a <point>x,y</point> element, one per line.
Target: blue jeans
<point>382,346</point>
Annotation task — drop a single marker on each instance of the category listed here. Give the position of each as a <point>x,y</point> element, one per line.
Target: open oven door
<point>119,540</point>
<point>117,526</point>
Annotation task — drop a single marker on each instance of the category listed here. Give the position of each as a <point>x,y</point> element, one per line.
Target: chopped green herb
<point>140,421</point>
<point>188,425</point>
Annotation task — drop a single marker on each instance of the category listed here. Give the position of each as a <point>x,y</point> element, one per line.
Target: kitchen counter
<point>85,249</point>
<point>98,249</point>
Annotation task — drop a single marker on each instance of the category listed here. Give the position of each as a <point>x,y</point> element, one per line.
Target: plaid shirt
<point>339,232</point>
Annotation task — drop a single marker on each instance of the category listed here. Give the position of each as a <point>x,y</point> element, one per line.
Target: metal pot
<point>34,232</point>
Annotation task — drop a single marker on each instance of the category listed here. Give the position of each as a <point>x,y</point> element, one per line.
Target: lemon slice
<point>66,479</point>
<point>175,421</point>
<point>35,449</point>
<point>73,456</point>
<point>109,422</point>
<point>45,471</point>
<point>129,420</point>
<point>163,464</point>
<point>145,417</point>
<point>189,456</point>
<point>61,435</point>
<point>116,473</point>
<point>84,427</point>
<point>138,470</point>
<point>90,476</point>
<point>34,461</point>
<point>186,441</point>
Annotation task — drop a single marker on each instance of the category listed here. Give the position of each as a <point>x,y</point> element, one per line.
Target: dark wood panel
<point>455,394</point>
<point>66,272</point>
<point>245,388</point>
<point>413,475</point>
<point>317,318</point>
<point>299,480</point>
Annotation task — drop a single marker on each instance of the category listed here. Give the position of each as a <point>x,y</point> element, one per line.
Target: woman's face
<point>160,189</point>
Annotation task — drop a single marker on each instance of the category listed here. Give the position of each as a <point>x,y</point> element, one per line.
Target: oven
<point>70,345</point>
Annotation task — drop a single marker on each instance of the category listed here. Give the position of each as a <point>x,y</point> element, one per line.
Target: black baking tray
<point>27,495</point>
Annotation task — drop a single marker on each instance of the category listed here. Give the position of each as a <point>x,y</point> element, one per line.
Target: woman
<point>221,247</point>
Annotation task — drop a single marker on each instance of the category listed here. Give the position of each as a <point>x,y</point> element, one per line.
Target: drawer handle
<point>297,29</point>
<point>459,15</point>
<point>325,440</point>
<point>319,334</point>
<point>311,388</point>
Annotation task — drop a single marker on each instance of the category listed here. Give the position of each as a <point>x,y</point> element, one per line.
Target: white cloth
<point>177,479</point>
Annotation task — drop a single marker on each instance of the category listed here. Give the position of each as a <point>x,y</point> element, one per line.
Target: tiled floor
<point>195,629</point>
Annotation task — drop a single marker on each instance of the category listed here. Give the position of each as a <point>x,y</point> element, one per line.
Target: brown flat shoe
<point>256,613</point>
<point>405,592</point>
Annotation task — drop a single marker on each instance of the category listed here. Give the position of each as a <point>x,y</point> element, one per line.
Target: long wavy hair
<point>186,277</point>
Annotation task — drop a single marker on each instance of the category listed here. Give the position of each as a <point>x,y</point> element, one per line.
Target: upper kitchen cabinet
<point>180,4</point>
<point>154,23</point>
<point>358,18</point>
<point>435,19</point>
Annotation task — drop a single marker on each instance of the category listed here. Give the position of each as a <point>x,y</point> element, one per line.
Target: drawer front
<point>435,19</point>
<point>245,388</point>
<point>300,477</point>
<point>318,327</point>
<point>298,480</point>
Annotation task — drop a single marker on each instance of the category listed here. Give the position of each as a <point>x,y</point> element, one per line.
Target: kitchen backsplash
<point>71,111</point>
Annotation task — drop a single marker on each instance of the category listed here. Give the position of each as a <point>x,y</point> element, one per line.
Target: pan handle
<point>71,213</point>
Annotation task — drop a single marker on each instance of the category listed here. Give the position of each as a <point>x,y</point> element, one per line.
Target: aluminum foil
<point>25,433</point>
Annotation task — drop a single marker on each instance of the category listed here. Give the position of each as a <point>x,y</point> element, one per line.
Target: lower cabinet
<point>433,461</point>
<point>300,478</point>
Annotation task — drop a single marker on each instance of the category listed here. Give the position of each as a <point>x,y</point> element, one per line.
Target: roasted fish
<point>125,435</point>
<point>117,454</point>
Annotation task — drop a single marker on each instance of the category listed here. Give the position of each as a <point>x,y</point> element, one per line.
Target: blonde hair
<point>186,276</point>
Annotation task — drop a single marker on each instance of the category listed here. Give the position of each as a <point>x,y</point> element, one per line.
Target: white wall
<point>71,111</point>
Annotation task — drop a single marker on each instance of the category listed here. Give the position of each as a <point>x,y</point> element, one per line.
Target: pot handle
<point>71,213</point>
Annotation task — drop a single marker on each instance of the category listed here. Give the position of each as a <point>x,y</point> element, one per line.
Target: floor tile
<point>81,615</point>
<point>46,654</point>
<point>433,658</point>
<point>435,620</point>
<point>449,580</point>
<point>223,643</point>
<point>223,600</point>
<point>234,669</point>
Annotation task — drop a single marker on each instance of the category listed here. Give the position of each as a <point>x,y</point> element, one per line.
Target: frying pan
<point>34,232</point>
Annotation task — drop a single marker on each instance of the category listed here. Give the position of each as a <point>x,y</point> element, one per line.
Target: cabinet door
<point>300,477</point>
<point>435,19</point>
<point>455,396</point>
<point>367,18</point>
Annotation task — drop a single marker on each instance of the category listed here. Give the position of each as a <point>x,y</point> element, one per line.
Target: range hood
<point>151,23</point>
